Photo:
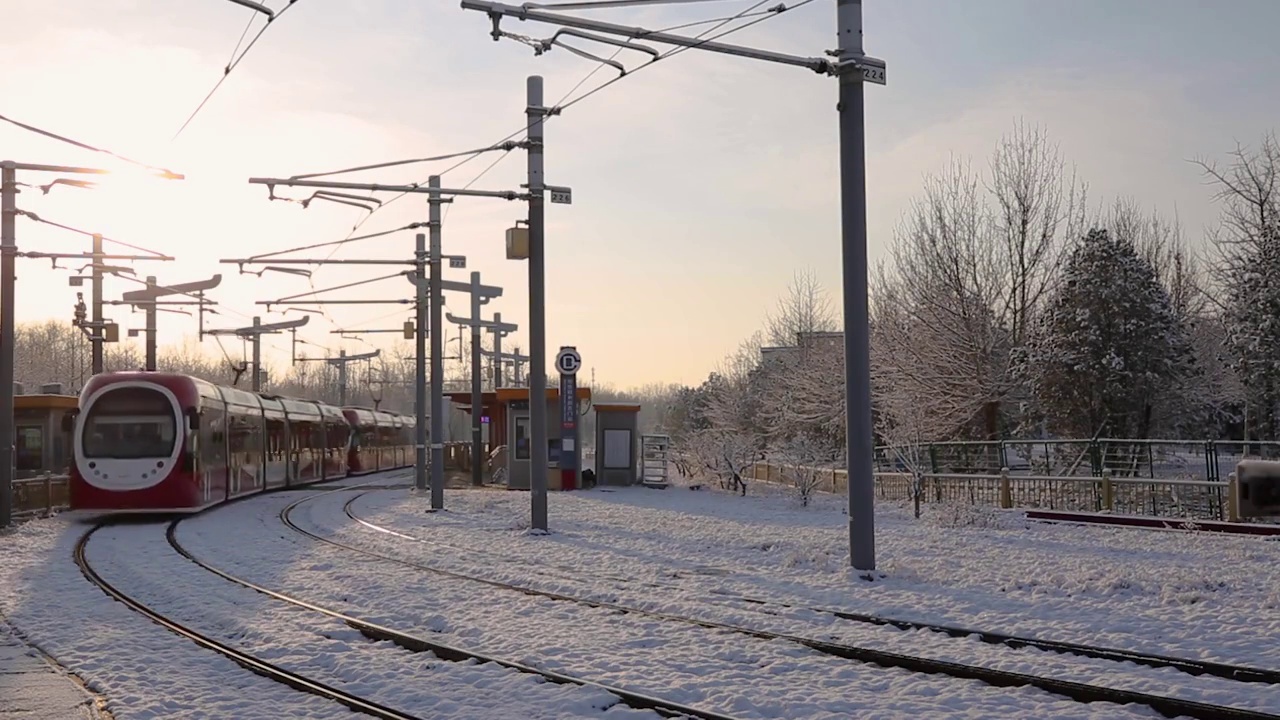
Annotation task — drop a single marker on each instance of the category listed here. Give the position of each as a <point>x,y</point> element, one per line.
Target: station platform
<point>32,688</point>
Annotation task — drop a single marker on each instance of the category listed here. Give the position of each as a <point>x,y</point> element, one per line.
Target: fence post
<point>48,494</point>
<point>1108,491</point>
<point>1233,498</point>
<point>1006,493</point>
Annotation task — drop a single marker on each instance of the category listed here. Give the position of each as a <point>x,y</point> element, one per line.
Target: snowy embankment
<point>673,551</point>
<point>724,672</point>
<point>1187,595</point>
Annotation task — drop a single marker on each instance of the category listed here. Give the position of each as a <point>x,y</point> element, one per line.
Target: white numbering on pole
<point>458,262</point>
<point>560,195</point>
<point>568,361</point>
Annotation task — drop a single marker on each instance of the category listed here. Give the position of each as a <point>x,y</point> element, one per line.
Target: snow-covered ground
<point>674,551</point>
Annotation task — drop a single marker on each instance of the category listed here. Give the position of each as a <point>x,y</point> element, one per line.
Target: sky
<point>700,185</point>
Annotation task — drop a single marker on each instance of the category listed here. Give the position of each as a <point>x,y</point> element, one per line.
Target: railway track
<point>249,662</point>
<point>446,652</point>
<point>1080,692</point>
<point>1227,671</point>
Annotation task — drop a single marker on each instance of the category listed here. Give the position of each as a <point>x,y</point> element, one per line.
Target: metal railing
<point>1207,460</point>
<point>41,496</point>
<point>1157,497</point>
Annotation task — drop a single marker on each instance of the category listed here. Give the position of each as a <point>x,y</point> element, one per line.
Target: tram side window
<point>30,449</point>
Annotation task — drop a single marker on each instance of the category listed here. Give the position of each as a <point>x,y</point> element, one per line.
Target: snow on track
<point>321,648</point>
<point>143,670</point>
<point>1190,595</point>
<point>720,671</point>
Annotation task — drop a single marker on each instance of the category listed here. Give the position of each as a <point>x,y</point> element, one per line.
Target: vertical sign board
<point>567,362</point>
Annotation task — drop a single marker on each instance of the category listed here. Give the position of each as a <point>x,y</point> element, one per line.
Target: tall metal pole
<point>535,114</point>
<point>342,378</point>
<point>497,354</point>
<point>477,395</point>
<point>257,355</point>
<point>437,350</point>
<point>151,312</point>
<point>96,338</point>
<point>420,366</point>
<point>8,251</point>
<point>519,380</point>
<point>857,353</point>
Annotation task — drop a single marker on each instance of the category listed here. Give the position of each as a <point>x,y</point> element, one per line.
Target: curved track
<point>249,662</point>
<point>1239,673</point>
<point>447,652</point>
<point>1080,692</point>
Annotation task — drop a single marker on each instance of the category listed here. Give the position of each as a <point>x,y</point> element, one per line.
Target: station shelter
<point>506,414</point>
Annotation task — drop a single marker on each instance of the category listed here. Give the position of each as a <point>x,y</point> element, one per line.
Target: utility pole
<point>97,337</point>
<point>8,279</point>
<point>98,329</point>
<point>477,324</point>
<point>852,68</point>
<point>535,113</point>
<point>434,201</point>
<point>148,299</point>
<point>502,358</point>
<point>341,363</point>
<point>8,250</point>
<point>422,258</point>
<point>498,334</point>
<point>253,333</point>
<point>437,196</point>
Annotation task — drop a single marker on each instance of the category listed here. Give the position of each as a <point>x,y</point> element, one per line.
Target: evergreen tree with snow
<point>1108,344</point>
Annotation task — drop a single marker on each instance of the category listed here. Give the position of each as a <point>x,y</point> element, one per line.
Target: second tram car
<point>165,442</point>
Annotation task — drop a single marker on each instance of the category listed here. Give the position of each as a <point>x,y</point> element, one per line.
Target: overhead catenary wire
<point>560,106</point>
<point>36,218</point>
<point>82,146</point>
<point>226,72</point>
<point>751,12</point>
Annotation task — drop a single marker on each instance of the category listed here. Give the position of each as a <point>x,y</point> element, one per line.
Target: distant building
<point>826,339</point>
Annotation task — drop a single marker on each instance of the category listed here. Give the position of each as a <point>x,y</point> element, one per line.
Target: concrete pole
<point>534,113</point>
<point>477,390</point>
<point>437,350</point>
<point>497,354</point>
<point>257,355</point>
<point>8,278</point>
<point>420,366</point>
<point>853,218</point>
<point>151,312</point>
<point>96,338</point>
<point>342,378</point>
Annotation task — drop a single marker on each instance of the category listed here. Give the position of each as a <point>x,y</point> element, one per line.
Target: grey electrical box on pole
<point>437,349</point>
<point>535,114</point>
<point>422,257</point>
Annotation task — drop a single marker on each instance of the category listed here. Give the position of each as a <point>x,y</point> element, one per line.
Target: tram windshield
<point>129,423</point>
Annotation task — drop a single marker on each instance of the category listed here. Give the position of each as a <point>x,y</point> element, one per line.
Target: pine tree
<point>1108,344</point>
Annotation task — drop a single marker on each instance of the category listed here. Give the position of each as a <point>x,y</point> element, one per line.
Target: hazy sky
<point>700,184</point>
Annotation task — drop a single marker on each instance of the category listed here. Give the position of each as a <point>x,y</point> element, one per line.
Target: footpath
<point>32,688</point>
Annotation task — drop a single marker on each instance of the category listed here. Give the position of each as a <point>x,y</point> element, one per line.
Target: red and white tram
<point>164,442</point>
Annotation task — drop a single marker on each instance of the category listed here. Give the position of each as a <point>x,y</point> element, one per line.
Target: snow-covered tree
<point>1108,343</point>
<point>1247,270</point>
